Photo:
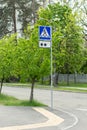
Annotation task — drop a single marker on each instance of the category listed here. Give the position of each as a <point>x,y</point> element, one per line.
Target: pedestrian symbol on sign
<point>44,33</point>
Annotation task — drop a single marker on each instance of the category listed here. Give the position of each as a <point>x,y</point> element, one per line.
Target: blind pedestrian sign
<point>45,33</point>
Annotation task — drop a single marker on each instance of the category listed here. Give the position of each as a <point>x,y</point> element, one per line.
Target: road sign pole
<point>51,79</point>
<point>45,41</point>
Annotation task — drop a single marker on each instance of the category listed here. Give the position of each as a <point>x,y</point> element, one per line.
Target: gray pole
<point>51,73</point>
<point>51,80</point>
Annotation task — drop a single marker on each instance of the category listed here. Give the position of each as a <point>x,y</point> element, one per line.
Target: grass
<point>71,89</point>
<point>78,87</point>
<point>11,101</point>
<point>17,84</point>
<point>60,84</point>
<point>82,85</point>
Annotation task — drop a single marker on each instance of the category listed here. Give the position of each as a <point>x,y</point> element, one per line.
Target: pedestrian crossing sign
<point>45,33</point>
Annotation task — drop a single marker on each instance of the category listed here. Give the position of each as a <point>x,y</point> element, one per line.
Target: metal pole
<point>51,81</point>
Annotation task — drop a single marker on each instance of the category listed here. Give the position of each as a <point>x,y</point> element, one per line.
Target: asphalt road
<point>71,106</point>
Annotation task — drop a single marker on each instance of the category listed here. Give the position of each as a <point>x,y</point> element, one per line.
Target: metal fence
<point>80,78</point>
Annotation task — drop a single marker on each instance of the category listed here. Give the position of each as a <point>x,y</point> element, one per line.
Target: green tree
<point>3,23</point>
<point>14,11</point>
<point>32,62</point>
<point>28,13</point>
<point>9,9</point>
<point>67,37</point>
<point>6,58</point>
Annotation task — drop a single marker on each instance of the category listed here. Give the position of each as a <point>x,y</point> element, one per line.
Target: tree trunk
<point>75,77</point>
<point>68,79</point>
<point>32,90</point>
<point>1,84</point>
<point>42,80</point>
<point>0,88</point>
<point>44,3</point>
<point>49,79</point>
<point>14,19</point>
<point>67,70</point>
<point>56,79</point>
<point>33,10</point>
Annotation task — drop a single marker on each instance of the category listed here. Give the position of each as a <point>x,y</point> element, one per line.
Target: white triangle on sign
<point>44,33</point>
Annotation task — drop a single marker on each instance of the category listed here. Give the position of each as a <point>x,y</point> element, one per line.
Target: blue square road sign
<point>45,33</point>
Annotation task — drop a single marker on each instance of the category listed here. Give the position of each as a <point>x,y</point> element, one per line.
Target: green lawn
<point>82,85</point>
<point>71,89</point>
<point>78,87</point>
<point>11,101</point>
<point>17,84</point>
<point>60,84</point>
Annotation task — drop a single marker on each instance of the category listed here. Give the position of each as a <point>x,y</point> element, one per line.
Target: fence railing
<point>80,78</point>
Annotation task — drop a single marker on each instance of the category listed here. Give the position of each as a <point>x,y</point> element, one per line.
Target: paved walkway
<point>21,118</point>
